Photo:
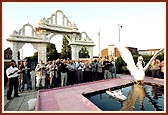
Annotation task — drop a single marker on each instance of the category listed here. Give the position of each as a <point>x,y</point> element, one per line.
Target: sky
<point>143,23</point>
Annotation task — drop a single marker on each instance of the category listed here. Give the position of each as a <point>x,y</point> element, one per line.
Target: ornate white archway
<point>47,28</point>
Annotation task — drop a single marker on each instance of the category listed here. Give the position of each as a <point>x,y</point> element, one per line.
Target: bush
<point>119,65</point>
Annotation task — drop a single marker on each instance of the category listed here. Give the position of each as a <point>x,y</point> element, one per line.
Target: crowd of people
<point>61,72</point>
<point>157,68</point>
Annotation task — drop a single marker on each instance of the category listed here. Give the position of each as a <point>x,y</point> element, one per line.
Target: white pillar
<point>90,49</point>
<point>51,19</point>
<point>73,54</point>
<point>33,32</point>
<point>15,52</point>
<point>23,31</point>
<point>15,49</point>
<point>39,52</point>
<point>42,52</point>
<point>62,20</point>
<point>77,52</point>
<point>56,19</point>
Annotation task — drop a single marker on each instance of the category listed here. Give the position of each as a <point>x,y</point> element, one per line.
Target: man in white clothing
<point>12,74</point>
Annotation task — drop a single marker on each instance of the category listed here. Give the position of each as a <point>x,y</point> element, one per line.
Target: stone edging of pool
<point>70,98</point>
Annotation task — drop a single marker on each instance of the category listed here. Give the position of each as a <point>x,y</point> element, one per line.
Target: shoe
<point>21,90</point>
<point>9,98</point>
<point>16,96</point>
<point>29,88</point>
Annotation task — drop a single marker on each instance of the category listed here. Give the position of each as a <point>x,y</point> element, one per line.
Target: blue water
<point>139,98</point>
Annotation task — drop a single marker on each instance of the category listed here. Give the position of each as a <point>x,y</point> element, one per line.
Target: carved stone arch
<point>45,27</point>
<point>69,23</point>
<point>41,49</point>
<point>59,11</point>
<point>15,49</point>
<point>22,30</point>
<point>51,35</point>
<point>51,19</point>
<point>35,46</point>
<point>86,39</point>
<point>62,14</point>
<point>20,45</point>
<point>66,19</point>
<point>63,20</point>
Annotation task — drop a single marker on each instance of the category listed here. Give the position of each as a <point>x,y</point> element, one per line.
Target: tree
<point>33,58</point>
<point>121,65</point>
<point>161,57</point>
<point>66,49</point>
<point>52,53</point>
<point>84,53</point>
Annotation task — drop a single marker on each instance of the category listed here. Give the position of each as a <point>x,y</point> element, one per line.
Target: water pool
<point>147,97</point>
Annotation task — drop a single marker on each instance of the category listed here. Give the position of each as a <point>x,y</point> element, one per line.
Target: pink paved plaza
<point>70,98</point>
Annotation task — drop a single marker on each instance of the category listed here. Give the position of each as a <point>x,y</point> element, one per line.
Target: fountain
<point>138,71</point>
<point>146,97</point>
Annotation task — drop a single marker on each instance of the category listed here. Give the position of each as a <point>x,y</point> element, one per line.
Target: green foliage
<point>33,58</point>
<point>51,52</point>
<point>36,55</point>
<point>66,49</point>
<point>84,53</point>
<point>121,65</point>
<point>146,58</point>
<point>161,57</point>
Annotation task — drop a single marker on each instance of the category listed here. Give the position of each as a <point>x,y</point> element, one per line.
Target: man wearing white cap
<point>140,61</point>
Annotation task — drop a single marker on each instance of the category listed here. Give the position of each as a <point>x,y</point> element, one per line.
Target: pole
<point>119,31</point>
<point>99,41</point>
<point>22,52</point>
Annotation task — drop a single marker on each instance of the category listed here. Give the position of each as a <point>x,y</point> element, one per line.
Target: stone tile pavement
<point>20,103</point>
